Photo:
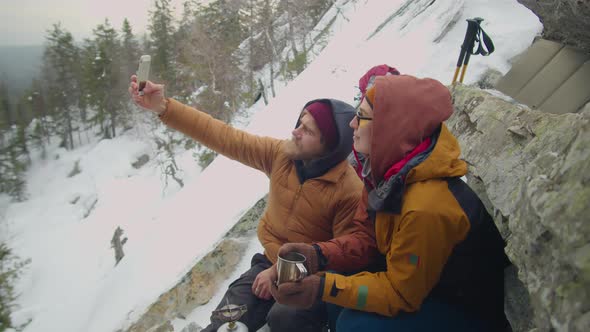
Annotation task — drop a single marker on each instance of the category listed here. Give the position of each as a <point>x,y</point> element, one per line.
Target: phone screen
<point>143,72</point>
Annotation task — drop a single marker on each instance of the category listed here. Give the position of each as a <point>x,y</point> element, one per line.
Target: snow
<point>66,225</point>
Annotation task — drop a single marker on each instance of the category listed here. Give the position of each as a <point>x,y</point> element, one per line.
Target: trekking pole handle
<point>469,39</point>
<point>473,27</point>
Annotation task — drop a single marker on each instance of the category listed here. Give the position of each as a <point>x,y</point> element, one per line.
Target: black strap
<point>482,39</point>
<point>322,260</point>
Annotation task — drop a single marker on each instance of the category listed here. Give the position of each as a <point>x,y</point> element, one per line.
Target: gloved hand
<point>301,294</point>
<point>307,250</point>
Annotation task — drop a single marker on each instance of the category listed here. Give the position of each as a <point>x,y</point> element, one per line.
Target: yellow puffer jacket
<point>316,210</point>
<point>416,243</point>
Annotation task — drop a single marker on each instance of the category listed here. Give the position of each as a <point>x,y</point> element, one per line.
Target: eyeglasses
<point>361,120</point>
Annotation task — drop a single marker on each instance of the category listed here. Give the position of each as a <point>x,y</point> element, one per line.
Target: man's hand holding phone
<point>144,93</point>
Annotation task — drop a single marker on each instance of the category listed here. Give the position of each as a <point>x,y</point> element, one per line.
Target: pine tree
<point>184,27</point>
<point>10,268</point>
<point>5,126</point>
<point>88,74</point>
<point>266,21</point>
<point>24,115</point>
<point>248,21</point>
<point>290,7</point>
<point>130,53</point>
<point>109,94</point>
<point>6,116</point>
<point>104,80</point>
<point>300,21</point>
<point>209,60</point>
<point>267,15</point>
<point>185,76</point>
<point>130,50</point>
<point>162,44</point>
<point>259,18</point>
<point>41,127</point>
<point>6,288</point>
<point>315,9</point>
<point>13,165</point>
<point>61,75</point>
<point>222,20</point>
<point>14,156</point>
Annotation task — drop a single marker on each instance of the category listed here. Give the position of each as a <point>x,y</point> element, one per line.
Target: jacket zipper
<point>294,202</point>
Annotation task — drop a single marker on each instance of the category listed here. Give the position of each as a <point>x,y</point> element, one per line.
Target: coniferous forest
<point>208,58</point>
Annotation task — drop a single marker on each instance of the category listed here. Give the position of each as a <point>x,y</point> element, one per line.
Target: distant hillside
<point>18,66</point>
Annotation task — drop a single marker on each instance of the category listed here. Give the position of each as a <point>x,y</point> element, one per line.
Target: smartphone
<point>143,72</point>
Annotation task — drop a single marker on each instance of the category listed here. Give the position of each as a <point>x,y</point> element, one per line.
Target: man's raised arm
<point>251,150</point>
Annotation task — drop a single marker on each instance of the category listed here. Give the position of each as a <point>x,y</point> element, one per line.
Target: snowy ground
<point>72,284</point>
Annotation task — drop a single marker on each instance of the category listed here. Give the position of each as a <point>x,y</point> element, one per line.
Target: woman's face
<point>362,124</point>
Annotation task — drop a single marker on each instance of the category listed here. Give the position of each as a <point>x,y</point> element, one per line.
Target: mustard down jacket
<point>301,208</point>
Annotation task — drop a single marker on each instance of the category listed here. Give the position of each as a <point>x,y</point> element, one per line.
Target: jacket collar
<point>440,160</point>
<point>333,175</point>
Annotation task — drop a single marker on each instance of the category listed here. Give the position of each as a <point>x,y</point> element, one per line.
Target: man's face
<point>362,124</point>
<point>306,143</point>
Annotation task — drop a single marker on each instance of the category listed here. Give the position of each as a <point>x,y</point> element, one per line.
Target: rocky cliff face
<point>203,280</point>
<point>566,21</point>
<point>533,171</point>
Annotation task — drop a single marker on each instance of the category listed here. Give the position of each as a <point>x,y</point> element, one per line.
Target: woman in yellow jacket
<point>443,252</point>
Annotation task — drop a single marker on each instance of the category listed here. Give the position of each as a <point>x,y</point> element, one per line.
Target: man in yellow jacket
<point>444,254</point>
<point>312,196</point>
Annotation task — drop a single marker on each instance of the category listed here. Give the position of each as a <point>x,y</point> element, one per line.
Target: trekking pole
<point>467,45</point>
<point>474,26</point>
<point>474,34</point>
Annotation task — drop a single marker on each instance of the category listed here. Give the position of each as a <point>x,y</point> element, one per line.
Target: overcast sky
<point>24,22</point>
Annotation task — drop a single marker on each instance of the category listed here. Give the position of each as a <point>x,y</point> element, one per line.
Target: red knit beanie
<point>367,80</point>
<point>322,114</point>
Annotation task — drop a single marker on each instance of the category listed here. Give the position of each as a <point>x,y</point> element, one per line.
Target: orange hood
<point>406,109</point>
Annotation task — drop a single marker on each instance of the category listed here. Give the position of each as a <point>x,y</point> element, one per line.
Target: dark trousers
<point>433,315</point>
<point>279,317</point>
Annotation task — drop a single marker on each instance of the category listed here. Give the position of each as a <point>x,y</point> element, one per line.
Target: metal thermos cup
<point>290,267</point>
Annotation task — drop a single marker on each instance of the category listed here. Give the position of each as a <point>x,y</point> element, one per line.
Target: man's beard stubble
<point>292,150</point>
